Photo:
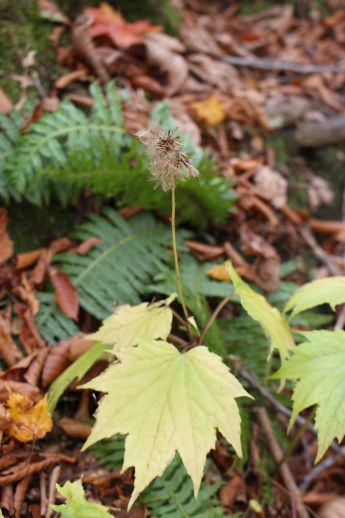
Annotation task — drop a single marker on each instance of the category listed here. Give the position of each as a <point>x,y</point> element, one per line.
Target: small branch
<point>325,464</point>
<point>213,317</point>
<point>280,65</point>
<point>284,470</point>
<point>178,340</point>
<point>279,407</point>
<point>318,251</point>
<point>296,439</point>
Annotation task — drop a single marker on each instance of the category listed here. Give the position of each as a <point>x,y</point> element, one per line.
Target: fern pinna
<point>68,150</point>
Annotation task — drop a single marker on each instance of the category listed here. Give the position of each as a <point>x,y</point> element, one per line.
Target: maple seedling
<point>164,400</point>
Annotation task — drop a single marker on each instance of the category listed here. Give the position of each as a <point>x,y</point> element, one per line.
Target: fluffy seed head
<point>168,163</point>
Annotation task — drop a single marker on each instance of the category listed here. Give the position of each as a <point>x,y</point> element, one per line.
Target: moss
<point>33,227</point>
<point>21,30</point>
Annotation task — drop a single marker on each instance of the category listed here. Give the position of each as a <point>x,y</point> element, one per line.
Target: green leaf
<point>167,401</point>
<point>319,367</point>
<point>271,320</point>
<point>321,291</point>
<point>76,505</point>
<point>51,322</point>
<point>131,324</point>
<point>172,496</point>
<point>131,252</point>
<point>75,371</point>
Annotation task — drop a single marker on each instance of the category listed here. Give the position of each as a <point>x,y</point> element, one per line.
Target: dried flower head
<point>168,163</point>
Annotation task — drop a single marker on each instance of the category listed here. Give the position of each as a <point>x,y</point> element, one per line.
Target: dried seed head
<point>168,163</point>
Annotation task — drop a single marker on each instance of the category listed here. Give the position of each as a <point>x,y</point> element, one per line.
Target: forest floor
<point>258,93</point>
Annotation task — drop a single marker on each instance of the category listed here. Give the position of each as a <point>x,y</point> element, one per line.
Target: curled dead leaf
<point>271,186</point>
<point>56,362</point>
<point>6,245</point>
<point>333,509</point>
<point>66,295</point>
<point>29,421</point>
<point>75,428</point>
<point>159,54</point>
<point>9,351</point>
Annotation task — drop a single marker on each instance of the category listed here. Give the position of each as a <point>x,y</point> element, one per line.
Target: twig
<point>318,251</point>
<point>325,464</point>
<point>54,477</point>
<point>279,407</point>
<point>213,317</point>
<point>296,439</point>
<point>277,64</point>
<point>178,340</point>
<point>284,470</point>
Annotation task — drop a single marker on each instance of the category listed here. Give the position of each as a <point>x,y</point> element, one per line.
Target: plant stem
<point>213,317</point>
<point>177,267</point>
<point>296,439</point>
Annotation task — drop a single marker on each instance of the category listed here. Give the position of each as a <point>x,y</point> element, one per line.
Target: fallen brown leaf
<point>56,362</point>
<point>271,186</point>
<point>108,22</point>
<point>26,259</point>
<point>86,246</point>
<point>6,245</point>
<point>24,470</point>
<point>333,509</point>
<point>9,351</point>
<point>60,245</point>
<point>5,103</point>
<point>6,387</point>
<point>75,428</point>
<point>231,490</point>
<point>66,295</point>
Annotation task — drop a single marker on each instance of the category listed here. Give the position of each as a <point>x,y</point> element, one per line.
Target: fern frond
<point>68,150</point>
<point>197,288</point>
<point>117,270</point>
<point>9,137</point>
<point>51,322</point>
<point>169,496</point>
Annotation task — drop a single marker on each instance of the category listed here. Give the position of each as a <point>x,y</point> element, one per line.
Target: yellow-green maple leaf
<point>321,291</point>
<point>76,505</point>
<point>271,320</point>
<point>167,401</point>
<point>319,367</point>
<point>130,324</point>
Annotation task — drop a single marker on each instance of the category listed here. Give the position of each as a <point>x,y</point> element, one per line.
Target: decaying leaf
<point>66,295</point>
<point>76,504</point>
<point>209,110</point>
<point>271,320</point>
<point>6,245</point>
<point>28,421</point>
<point>9,351</point>
<point>132,324</point>
<point>271,186</point>
<point>110,23</point>
<point>167,401</point>
<point>5,103</point>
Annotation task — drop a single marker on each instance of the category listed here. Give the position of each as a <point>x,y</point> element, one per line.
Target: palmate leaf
<point>319,367</point>
<point>116,271</point>
<point>76,505</point>
<point>272,321</point>
<point>166,402</point>
<point>131,324</point>
<point>321,291</point>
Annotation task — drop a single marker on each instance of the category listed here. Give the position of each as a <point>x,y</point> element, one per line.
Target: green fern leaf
<point>51,322</point>
<point>117,270</point>
<point>68,150</point>
<point>171,496</point>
